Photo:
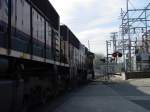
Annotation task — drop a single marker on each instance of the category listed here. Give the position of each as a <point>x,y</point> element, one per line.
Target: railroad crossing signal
<point>117,54</point>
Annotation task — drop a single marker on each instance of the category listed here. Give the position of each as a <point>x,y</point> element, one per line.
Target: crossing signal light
<point>114,54</point>
<point>117,54</point>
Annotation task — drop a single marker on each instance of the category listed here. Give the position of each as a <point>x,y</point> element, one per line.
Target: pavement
<point>114,96</point>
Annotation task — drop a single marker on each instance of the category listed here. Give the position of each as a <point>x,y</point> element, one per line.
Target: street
<point>115,96</point>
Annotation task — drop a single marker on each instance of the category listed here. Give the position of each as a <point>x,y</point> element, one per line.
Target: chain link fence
<point>108,70</point>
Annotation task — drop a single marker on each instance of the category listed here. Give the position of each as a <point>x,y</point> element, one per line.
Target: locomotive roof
<point>67,34</point>
<point>48,10</point>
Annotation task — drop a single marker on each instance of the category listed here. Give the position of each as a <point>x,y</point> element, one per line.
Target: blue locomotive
<point>39,58</point>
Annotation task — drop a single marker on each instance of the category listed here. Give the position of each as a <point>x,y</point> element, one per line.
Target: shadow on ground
<point>135,93</point>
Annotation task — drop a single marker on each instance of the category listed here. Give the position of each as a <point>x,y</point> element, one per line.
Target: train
<point>39,58</point>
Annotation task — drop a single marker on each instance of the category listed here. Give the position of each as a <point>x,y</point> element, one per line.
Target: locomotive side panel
<point>56,45</point>
<point>20,42</point>
<point>4,9</point>
<point>62,50</point>
<point>38,24</point>
<point>64,32</point>
<point>19,14</point>
<point>36,47</point>
<point>20,28</point>
<point>26,18</point>
<point>48,41</point>
<point>3,26</point>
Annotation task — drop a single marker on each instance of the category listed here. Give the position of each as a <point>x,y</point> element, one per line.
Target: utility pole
<point>114,36</point>
<point>147,47</point>
<point>108,44</point>
<point>123,43</point>
<point>107,59</point>
<point>129,37</point>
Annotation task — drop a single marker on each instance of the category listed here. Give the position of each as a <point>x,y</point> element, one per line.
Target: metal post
<point>129,36</point>
<point>114,36</point>
<point>146,31</point>
<point>123,46</point>
<point>107,59</point>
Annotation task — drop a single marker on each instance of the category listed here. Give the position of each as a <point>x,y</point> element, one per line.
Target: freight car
<point>38,57</point>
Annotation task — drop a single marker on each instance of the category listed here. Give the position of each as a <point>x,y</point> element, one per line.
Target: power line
<point>129,26</point>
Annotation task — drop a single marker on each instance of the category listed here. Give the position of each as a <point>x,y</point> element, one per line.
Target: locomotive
<point>39,58</point>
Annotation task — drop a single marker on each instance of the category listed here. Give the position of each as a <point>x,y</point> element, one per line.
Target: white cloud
<point>67,8</point>
<point>92,20</point>
<point>93,33</point>
<point>97,38</point>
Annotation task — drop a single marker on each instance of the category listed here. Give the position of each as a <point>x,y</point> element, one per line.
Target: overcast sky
<point>93,20</point>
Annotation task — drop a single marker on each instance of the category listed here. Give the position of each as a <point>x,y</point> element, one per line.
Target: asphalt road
<point>116,96</point>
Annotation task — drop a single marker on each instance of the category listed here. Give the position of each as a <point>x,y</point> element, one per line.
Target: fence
<point>110,69</point>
